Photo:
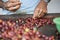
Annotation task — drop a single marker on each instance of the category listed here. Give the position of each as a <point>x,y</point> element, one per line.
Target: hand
<point>12,5</point>
<point>13,0</point>
<point>40,10</point>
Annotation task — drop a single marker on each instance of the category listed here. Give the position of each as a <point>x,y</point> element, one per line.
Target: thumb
<point>35,15</point>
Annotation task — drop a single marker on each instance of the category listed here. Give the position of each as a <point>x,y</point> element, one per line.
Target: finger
<point>36,13</point>
<point>14,8</point>
<point>40,12</point>
<point>14,0</point>
<point>45,10</point>
<point>41,15</point>
<point>13,4</point>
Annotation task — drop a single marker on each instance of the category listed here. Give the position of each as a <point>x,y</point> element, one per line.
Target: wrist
<point>43,2</point>
<point>47,1</point>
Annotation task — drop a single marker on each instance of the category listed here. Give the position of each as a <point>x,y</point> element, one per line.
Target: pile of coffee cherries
<point>24,29</point>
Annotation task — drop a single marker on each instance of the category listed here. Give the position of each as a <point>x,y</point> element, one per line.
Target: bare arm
<point>41,9</point>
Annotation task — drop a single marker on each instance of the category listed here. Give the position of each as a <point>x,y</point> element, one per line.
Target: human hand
<point>40,10</point>
<point>12,5</point>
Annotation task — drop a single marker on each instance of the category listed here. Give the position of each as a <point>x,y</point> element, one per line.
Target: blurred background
<point>54,6</point>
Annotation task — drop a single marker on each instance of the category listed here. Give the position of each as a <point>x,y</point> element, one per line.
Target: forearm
<point>42,3</point>
<point>47,1</point>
